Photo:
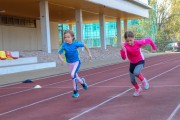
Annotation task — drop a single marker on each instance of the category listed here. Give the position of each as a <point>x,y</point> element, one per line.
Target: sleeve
<point>147,41</point>
<point>61,49</point>
<point>123,54</point>
<point>79,44</point>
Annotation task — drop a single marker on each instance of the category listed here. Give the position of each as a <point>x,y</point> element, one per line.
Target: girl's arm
<point>88,51</point>
<point>149,41</point>
<point>61,58</point>
<point>123,52</point>
<point>60,51</point>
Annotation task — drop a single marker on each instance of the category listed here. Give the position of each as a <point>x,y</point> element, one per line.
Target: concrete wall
<point>23,38</point>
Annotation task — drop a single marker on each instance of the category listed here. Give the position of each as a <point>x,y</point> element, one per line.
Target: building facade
<point>33,24</point>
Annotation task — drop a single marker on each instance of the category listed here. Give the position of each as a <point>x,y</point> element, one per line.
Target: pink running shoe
<point>137,92</point>
<point>145,84</point>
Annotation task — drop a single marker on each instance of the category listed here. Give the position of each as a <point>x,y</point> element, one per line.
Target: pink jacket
<point>134,52</point>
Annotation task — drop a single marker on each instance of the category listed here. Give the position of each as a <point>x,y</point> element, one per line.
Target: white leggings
<point>73,68</point>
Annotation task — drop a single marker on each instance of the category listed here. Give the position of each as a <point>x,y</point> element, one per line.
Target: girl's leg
<point>133,81</point>
<point>132,76</point>
<point>81,80</point>
<point>137,71</point>
<point>74,67</point>
<point>138,89</point>
<point>78,78</point>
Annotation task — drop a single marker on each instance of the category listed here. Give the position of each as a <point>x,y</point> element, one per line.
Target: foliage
<point>163,22</point>
<point>146,27</point>
<point>173,21</point>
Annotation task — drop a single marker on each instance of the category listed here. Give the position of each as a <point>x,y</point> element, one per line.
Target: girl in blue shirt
<point>69,47</point>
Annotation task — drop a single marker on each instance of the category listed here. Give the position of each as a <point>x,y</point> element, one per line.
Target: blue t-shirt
<point>71,52</point>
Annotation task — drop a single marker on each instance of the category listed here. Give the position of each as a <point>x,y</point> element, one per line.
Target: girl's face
<point>130,41</point>
<point>68,38</point>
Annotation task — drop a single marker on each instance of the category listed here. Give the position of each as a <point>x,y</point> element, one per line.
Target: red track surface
<point>109,96</point>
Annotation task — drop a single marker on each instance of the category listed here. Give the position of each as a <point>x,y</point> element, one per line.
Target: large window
<point>91,33</point>
<point>16,21</point>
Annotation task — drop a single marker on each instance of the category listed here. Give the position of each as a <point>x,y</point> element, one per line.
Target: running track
<point>109,96</point>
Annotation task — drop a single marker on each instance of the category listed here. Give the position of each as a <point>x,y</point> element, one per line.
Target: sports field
<point>109,96</point>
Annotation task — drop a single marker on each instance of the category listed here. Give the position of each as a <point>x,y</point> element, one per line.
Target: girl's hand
<point>63,62</point>
<point>88,51</point>
<point>153,51</point>
<point>122,46</point>
<point>90,57</point>
<point>61,59</point>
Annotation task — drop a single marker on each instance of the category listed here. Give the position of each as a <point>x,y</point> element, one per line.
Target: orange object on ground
<point>9,56</point>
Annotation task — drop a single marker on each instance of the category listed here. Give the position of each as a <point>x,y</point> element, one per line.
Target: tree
<point>173,21</point>
<point>163,22</point>
<point>147,27</point>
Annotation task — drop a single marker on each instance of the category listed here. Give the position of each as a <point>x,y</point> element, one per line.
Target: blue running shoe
<point>84,85</point>
<point>75,94</point>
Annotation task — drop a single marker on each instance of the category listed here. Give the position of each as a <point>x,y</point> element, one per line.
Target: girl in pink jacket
<point>132,50</point>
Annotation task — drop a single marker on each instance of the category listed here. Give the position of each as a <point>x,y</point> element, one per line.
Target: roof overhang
<point>63,11</point>
<point>140,4</point>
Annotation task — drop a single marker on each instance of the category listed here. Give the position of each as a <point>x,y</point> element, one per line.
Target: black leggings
<point>135,70</point>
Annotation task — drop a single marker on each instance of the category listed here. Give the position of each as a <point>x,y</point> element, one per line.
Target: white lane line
<point>69,79</point>
<point>109,86</point>
<point>70,87</point>
<point>50,98</point>
<point>44,100</point>
<point>45,77</point>
<point>164,86</point>
<point>174,112</point>
<point>14,93</point>
<point>41,88</point>
<point>99,104</point>
<point>89,75</point>
<point>120,86</point>
<point>118,95</point>
<point>97,86</point>
<point>50,76</point>
<point>59,95</point>
<point>55,75</point>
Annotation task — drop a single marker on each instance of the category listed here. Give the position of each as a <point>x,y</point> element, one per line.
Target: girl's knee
<point>136,73</point>
<point>133,81</point>
<point>73,76</point>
